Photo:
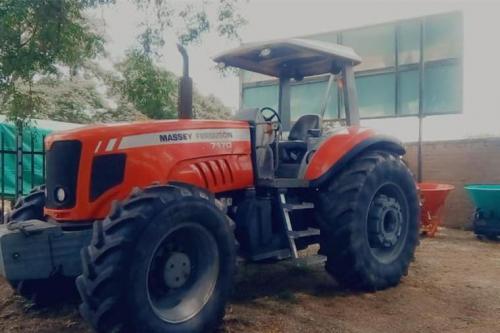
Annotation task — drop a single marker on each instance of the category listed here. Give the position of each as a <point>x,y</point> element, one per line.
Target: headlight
<point>60,194</point>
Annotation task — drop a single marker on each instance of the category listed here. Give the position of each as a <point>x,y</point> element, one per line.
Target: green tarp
<point>33,159</point>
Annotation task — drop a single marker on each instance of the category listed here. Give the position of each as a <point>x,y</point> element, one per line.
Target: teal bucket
<point>485,197</point>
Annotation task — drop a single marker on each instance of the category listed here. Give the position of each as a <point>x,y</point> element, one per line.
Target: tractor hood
<point>89,167</point>
<point>113,135</point>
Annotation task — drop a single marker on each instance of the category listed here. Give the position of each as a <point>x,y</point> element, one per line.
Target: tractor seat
<point>293,150</point>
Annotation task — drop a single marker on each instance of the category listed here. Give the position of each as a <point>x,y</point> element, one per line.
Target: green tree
<point>189,21</point>
<point>35,37</point>
<point>41,39</point>
<point>76,100</point>
<point>136,89</point>
<point>153,91</point>
<point>150,89</point>
<point>209,107</point>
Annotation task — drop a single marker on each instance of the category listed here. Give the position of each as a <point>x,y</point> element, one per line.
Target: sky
<point>271,19</point>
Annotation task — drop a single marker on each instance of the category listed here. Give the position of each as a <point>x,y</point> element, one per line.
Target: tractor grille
<point>215,172</point>
<point>62,161</point>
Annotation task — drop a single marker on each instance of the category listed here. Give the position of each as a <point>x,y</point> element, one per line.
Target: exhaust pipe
<point>185,101</point>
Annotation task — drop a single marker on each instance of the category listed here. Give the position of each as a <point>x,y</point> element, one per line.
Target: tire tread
<point>105,258</point>
<point>338,203</point>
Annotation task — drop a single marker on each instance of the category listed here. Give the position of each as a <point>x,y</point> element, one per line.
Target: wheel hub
<point>177,270</point>
<point>183,272</point>
<point>386,222</point>
<point>391,227</point>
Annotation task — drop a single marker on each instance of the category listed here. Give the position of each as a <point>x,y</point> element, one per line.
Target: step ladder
<point>291,234</point>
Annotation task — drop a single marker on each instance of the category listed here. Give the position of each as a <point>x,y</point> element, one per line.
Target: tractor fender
<point>337,150</point>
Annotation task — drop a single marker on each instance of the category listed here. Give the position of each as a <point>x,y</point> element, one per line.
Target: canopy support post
<point>350,96</point>
<point>284,103</point>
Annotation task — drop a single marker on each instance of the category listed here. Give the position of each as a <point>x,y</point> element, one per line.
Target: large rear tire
<point>162,261</point>
<point>369,216</point>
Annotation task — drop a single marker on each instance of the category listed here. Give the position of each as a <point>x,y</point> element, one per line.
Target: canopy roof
<point>295,58</point>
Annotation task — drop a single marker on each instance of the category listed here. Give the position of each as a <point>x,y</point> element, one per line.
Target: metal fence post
<point>2,180</point>
<point>19,160</point>
<point>43,160</point>
<point>32,162</point>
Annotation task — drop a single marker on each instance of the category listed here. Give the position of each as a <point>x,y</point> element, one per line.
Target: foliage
<point>190,21</point>
<point>35,36</point>
<point>40,40</point>
<point>136,89</point>
<point>209,107</point>
<point>75,100</point>
<point>229,20</point>
<point>150,89</point>
<point>153,91</point>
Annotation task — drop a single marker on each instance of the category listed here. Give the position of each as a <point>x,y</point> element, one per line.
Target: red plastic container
<point>433,197</point>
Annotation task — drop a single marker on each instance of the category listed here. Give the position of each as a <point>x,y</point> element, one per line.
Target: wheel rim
<point>387,223</point>
<point>182,273</point>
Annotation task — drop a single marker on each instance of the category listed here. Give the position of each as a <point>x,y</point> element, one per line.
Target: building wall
<point>458,163</point>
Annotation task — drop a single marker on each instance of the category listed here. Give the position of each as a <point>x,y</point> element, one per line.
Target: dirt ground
<point>453,286</point>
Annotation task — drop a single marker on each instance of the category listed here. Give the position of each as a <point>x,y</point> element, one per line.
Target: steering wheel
<point>273,115</point>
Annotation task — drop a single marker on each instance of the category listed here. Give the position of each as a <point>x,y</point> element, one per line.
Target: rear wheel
<point>162,261</point>
<point>369,218</point>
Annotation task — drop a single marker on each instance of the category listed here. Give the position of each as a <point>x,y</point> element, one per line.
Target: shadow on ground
<point>283,281</point>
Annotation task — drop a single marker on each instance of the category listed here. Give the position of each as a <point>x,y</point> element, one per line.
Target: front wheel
<point>29,207</point>
<point>163,261</point>
<point>369,215</point>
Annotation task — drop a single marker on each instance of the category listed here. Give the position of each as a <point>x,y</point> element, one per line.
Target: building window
<point>408,101</point>
<point>408,42</point>
<point>376,95</point>
<point>442,88</point>
<point>375,45</point>
<point>260,96</point>
<point>443,37</point>
<point>307,98</point>
<point>395,56</point>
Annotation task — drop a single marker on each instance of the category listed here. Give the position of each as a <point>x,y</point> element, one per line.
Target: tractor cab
<point>287,61</point>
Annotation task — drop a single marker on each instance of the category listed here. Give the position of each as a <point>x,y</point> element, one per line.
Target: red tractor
<point>160,210</point>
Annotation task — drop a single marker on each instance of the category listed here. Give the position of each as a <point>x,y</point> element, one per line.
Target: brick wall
<point>458,163</point>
